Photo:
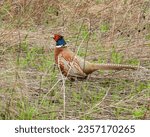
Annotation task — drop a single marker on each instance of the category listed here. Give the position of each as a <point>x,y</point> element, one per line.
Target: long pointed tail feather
<point>115,67</point>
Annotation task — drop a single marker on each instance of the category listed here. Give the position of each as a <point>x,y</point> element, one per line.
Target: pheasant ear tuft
<point>57,37</point>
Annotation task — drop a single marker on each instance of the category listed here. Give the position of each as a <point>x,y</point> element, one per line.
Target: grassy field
<point>101,31</point>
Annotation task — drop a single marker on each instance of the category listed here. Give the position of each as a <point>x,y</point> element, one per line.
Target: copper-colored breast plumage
<point>68,63</point>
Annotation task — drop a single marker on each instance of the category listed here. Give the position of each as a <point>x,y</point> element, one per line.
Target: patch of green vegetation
<point>116,56</point>
<point>101,60</point>
<point>49,13</point>
<point>147,37</point>
<point>81,53</point>
<point>76,96</point>
<point>45,116</point>
<point>53,115</point>
<point>4,10</point>
<point>125,1</point>
<point>93,37</point>
<point>118,111</point>
<point>138,113</point>
<point>50,80</point>
<point>141,86</point>
<point>148,86</point>
<point>99,1</point>
<point>45,102</point>
<point>115,97</point>
<point>29,59</point>
<point>86,117</point>
<point>84,32</point>
<point>34,57</point>
<point>26,112</point>
<point>51,10</point>
<point>25,45</point>
<point>97,96</point>
<point>104,27</point>
<point>133,61</point>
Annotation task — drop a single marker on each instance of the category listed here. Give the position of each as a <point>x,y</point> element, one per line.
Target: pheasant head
<point>60,42</point>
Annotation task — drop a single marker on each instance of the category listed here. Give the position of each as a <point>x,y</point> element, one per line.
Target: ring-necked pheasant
<point>73,66</point>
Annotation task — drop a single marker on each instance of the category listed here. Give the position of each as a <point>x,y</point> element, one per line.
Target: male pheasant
<point>73,66</point>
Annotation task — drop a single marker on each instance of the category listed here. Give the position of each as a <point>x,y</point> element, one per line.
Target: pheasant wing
<point>70,68</point>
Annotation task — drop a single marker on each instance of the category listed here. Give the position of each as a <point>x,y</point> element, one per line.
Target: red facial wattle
<point>57,37</point>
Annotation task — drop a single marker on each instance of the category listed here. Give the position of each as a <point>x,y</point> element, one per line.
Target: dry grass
<point>101,31</point>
